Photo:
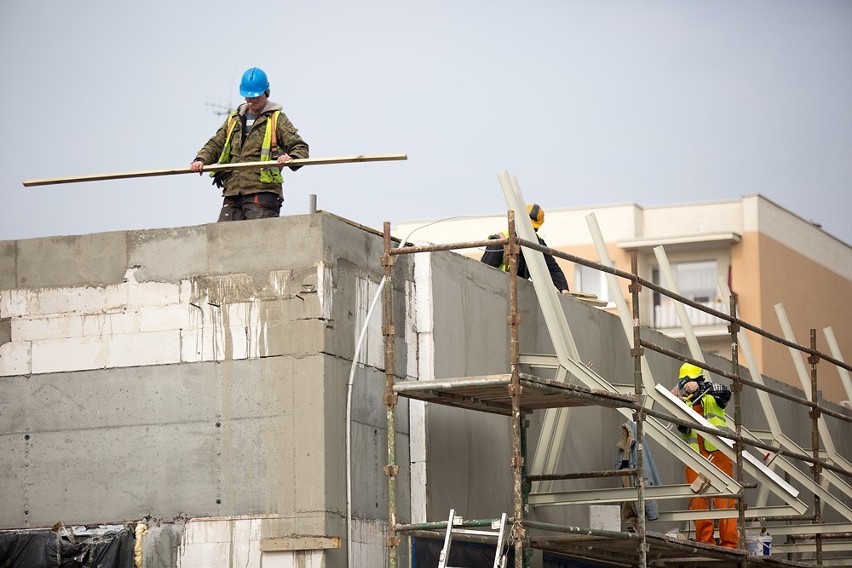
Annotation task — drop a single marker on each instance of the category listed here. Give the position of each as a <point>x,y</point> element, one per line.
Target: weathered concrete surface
<point>8,269</point>
<point>61,261</point>
<point>168,255</point>
<point>197,372</point>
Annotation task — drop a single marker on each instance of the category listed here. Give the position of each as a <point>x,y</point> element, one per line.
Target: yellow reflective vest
<point>267,150</point>
<point>714,414</point>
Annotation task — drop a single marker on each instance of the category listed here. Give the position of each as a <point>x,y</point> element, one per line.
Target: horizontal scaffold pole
<point>218,167</point>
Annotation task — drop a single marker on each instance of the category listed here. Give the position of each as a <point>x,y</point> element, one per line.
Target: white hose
<point>349,388</point>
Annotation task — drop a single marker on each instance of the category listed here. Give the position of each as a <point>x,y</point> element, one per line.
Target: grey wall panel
<point>94,260</point>
<point>8,268</point>
<point>14,462</point>
<point>168,255</point>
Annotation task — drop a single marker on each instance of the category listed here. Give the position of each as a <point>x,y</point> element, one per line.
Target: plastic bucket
<point>754,545</point>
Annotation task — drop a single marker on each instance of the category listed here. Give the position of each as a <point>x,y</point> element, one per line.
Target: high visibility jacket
<point>268,148</point>
<point>493,256</point>
<point>713,413</point>
<point>229,145</point>
<point>504,262</point>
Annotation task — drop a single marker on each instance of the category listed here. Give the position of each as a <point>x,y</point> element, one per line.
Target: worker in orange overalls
<point>709,400</point>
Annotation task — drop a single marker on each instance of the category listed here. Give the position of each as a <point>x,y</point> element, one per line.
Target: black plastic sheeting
<point>44,549</point>
<point>427,552</point>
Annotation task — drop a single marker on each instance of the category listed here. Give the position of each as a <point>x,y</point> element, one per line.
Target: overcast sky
<point>586,102</point>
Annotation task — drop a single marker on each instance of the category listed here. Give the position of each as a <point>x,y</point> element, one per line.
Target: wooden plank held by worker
<point>218,167</point>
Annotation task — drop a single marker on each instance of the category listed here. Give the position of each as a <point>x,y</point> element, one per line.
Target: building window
<point>696,281</point>
<point>591,281</point>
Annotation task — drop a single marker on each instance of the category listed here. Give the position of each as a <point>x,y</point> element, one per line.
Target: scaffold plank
<point>490,393</point>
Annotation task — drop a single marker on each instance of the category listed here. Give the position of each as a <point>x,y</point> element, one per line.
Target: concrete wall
<point>197,373</point>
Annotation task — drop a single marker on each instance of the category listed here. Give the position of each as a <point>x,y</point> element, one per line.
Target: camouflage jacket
<point>247,149</point>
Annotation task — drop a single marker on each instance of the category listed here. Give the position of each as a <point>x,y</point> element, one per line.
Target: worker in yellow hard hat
<point>493,255</point>
<point>709,400</point>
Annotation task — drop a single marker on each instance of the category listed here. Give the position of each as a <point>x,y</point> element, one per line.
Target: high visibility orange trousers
<point>704,528</point>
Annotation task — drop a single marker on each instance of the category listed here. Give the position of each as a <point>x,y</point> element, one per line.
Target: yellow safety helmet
<point>536,215</point>
<point>691,371</point>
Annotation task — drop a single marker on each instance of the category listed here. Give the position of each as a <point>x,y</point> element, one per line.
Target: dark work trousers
<point>252,206</point>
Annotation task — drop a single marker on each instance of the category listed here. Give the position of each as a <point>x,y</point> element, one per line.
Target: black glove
<point>220,177</point>
<point>683,429</point>
<point>703,388</point>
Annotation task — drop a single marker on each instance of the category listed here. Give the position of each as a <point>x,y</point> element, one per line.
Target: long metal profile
<point>550,442</point>
<point>764,397</point>
<point>676,445</point>
<point>753,513</point>
<point>776,433</point>
<point>824,434</point>
<point>754,466</point>
<point>611,279</point>
<point>620,303</point>
<point>751,364</point>
<point>567,354</point>
<point>835,352</point>
<point>812,529</point>
<point>810,548</point>
<point>657,492</point>
<point>782,439</point>
<point>768,478</point>
<point>721,482</point>
<point>807,481</point>
<point>680,309</point>
<point>801,372</point>
<point>610,495</point>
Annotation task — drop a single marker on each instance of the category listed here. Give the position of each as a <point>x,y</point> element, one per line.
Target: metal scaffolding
<point>517,394</point>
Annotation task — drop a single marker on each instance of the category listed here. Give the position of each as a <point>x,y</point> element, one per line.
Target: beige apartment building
<point>770,257</point>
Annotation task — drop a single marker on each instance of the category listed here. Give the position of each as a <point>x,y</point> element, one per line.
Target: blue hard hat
<point>254,83</point>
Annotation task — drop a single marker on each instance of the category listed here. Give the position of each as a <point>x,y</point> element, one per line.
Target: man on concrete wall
<point>256,132</point>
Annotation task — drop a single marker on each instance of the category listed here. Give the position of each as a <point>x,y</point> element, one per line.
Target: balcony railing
<point>665,316</point>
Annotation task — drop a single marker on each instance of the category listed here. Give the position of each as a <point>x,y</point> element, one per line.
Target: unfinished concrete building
<point>219,396</point>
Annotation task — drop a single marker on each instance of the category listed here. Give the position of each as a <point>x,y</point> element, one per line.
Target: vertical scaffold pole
<point>511,251</point>
<point>390,398</point>
<point>813,359</point>
<point>737,388</point>
<point>639,416</point>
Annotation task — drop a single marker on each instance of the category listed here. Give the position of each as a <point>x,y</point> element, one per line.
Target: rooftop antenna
<point>220,109</point>
<point>225,110</point>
